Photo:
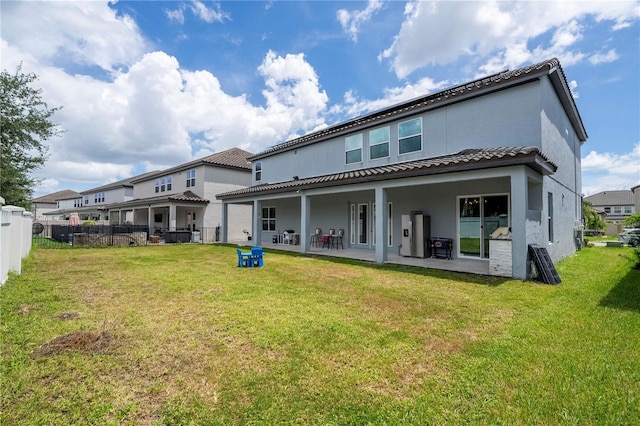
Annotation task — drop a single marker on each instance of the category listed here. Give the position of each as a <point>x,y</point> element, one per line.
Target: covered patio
<point>471,266</point>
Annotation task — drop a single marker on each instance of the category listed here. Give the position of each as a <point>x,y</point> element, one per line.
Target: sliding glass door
<point>478,217</point>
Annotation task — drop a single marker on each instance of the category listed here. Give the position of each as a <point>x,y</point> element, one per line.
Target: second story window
<point>191,178</point>
<point>379,143</point>
<point>258,171</point>
<point>77,202</point>
<point>410,136</point>
<point>98,197</point>
<point>353,149</point>
<point>86,200</point>
<point>163,184</point>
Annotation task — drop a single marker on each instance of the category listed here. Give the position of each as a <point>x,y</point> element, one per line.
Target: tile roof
<point>65,194</point>
<point>468,159</point>
<point>121,183</point>
<point>622,197</point>
<point>447,96</point>
<point>186,196</point>
<point>234,158</point>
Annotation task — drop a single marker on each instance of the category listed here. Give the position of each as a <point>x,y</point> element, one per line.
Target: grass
<point>179,335</point>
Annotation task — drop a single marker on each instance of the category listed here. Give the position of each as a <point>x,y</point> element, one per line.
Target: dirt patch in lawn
<point>85,341</point>
<point>25,309</point>
<point>66,316</point>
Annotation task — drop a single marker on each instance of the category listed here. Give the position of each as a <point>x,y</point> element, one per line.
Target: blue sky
<point>149,85</point>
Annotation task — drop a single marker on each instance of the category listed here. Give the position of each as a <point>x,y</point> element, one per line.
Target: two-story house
<point>498,152</point>
<point>41,207</point>
<point>183,197</point>
<point>92,203</point>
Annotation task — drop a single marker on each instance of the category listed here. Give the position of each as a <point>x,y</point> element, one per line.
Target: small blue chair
<point>244,259</point>
<point>257,259</point>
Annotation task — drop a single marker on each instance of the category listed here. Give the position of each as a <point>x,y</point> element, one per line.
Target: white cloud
<point>498,33</point>
<point>83,33</point>
<point>353,106</point>
<point>609,171</point>
<point>602,58</point>
<point>208,15</point>
<point>175,15</point>
<point>351,21</point>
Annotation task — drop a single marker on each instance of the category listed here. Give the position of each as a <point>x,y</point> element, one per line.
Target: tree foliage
<point>632,221</point>
<point>26,125</point>
<point>592,219</point>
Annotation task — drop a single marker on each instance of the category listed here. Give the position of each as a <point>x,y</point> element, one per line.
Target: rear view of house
<point>494,159</point>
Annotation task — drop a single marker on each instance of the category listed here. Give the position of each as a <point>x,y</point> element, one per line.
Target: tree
<point>632,221</point>
<point>592,220</point>
<point>25,126</point>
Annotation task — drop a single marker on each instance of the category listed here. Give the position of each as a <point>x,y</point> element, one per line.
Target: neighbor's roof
<point>623,197</point>
<point>234,158</point>
<point>187,197</point>
<point>468,159</point>
<point>119,184</point>
<point>454,94</point>
<point>66,194</point>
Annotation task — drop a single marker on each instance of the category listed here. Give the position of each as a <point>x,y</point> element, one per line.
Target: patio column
<point>381,225</point>
<point>149,219</point>
<point>519,249</point>
<point>305,218</point>
<point>172,217</point>
<point>224,225</point>
<point>257,223</point>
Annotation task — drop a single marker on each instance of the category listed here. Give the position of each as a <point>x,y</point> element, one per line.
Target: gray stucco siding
<point>505,118</point>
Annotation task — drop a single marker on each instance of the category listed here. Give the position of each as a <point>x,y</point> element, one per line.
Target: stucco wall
<point>505,118</point>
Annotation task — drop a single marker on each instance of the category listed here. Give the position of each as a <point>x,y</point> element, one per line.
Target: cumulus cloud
<point>351,21</point>
<point>353,106</point>
<point>72,33</point>
<point>602,58</point>
<point>498,33</point>
<point>608,171</point>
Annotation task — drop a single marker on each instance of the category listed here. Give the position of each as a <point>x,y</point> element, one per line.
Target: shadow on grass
<point>626,294</point>
<point>491,281</point>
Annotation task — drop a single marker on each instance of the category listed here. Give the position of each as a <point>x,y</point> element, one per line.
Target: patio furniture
<point>244,259</point>
<point>257,257</point>
<point>316,237</point>
<point>337,239</point>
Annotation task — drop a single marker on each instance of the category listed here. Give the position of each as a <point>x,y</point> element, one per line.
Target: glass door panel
<point>495,215</point>
<point>363,223</point>
<point>470,235</point>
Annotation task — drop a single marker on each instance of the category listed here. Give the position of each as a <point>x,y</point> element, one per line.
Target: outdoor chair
<point>244,259</point>
<point>257,257</point>
<point>315,238</point>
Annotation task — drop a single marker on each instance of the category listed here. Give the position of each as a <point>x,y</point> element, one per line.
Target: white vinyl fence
<point>15,239</point>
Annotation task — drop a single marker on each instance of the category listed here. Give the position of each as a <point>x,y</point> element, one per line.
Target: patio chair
<point>316,237</point>
<point>244,259</point>
<point>257,259</point>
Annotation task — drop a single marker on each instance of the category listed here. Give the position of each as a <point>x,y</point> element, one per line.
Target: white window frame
<point>191,178</point>
<point>258,175</point>
<point>382,142</point>
<point>269,219</point>
<point>405,137</point>
<point>357,146</point>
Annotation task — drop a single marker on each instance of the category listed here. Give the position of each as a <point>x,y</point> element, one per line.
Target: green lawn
<point>179,335</point>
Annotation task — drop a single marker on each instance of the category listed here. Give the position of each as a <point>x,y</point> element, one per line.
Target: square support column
<point>382,228</point>
<point>257,223</point>
<point>305,218</point>
<point>224,225</point>
<point>519,205</point>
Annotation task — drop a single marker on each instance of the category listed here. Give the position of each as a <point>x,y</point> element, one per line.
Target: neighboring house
<point>499,151</point>
<point>183,197</point>
<point>616,205</point>
<point>92,204</point>
<point>41,207</point>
